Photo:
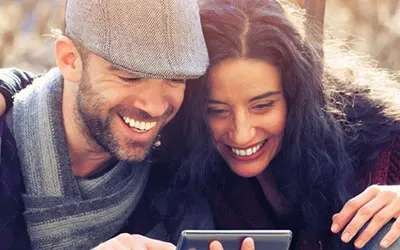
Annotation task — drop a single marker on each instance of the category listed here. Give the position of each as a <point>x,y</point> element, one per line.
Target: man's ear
<point>68,59</point>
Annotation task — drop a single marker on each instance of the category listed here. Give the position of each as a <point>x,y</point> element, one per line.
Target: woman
<point>289,135</point>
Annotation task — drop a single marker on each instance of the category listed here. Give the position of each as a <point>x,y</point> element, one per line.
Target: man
<point>75,146</point>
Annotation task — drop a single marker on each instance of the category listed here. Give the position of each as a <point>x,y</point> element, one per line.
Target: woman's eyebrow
<point>265,95</point>
<point>212,101</point>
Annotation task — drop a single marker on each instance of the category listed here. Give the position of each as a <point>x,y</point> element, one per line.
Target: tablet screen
<point>232,239</point>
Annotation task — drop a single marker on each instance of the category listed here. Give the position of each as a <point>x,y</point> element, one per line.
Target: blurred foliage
<point>374,24</point>
<point>25,39</point>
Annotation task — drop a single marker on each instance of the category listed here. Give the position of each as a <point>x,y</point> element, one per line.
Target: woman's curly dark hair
<point>340,113</point>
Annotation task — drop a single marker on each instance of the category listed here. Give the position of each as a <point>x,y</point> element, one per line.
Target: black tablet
<point>232,239</point>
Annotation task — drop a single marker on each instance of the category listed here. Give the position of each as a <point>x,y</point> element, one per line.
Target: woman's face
<point>246,113</point>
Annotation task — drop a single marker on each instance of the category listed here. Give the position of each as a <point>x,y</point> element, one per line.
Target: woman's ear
<point>68,59</point>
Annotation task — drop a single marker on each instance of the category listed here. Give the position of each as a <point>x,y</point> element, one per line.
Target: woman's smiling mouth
<point>247,153</point>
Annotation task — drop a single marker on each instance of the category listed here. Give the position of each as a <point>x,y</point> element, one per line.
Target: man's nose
<point>152,99</point>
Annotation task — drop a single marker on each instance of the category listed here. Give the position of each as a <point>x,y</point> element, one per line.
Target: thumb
<point>152,244</point>
<point>248,244</point>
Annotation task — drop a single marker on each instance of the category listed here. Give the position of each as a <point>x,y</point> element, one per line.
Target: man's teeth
<point>138,125</point>
<point>248,151</point>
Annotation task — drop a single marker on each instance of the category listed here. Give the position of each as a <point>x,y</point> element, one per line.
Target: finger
<point>101,246</point>
<point>128,241</point>
<point>378,221</point>
<point>363,215</point>
<point>140,242</point>
<point>152,244</point>
<point>216,245</point>
<point>117,245</point>
<point>112,244</point>
<point>351,207</point>
<point>392,235</point>
<point>248,244</point>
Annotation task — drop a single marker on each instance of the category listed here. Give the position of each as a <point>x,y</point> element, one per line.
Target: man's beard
<point>88,109</point>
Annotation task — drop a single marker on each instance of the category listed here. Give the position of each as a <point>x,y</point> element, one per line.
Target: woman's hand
<point>373,208</point>
<point>135,242</point>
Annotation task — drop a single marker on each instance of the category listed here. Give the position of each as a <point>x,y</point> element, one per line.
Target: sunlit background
<point>25,26</point>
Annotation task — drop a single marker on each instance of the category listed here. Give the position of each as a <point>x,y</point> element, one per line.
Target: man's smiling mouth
<point>138,126</point>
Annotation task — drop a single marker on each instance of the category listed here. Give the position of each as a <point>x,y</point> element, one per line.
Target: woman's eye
<point>263,106</point>
<point>216,111</point>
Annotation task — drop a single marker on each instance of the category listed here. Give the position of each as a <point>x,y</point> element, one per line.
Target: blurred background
<point>25,26</point>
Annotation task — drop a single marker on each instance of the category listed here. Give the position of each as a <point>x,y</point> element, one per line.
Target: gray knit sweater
<point>61,210</point>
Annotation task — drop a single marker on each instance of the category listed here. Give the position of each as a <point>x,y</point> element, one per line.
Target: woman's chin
<point>245,172</point>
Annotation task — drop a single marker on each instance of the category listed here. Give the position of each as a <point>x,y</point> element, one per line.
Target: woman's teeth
<point>248,151</point>
<point>139,126</point>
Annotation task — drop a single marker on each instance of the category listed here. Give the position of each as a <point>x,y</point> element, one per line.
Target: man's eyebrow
<point>179,80</point>
<point>113,68</point>
<point>265,95</point>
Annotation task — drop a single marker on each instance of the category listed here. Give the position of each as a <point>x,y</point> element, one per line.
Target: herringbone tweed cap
<point>150,38</point>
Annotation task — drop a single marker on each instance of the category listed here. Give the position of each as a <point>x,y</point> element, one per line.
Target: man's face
<point>124,113</point>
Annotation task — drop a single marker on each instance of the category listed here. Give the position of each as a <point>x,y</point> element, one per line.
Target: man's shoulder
<point>53,74</point>
<point>40,83</point>
<point>12,225</point>
<point>11,184</point>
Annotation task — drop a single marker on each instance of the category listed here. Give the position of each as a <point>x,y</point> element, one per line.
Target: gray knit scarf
<point>63,211</point>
